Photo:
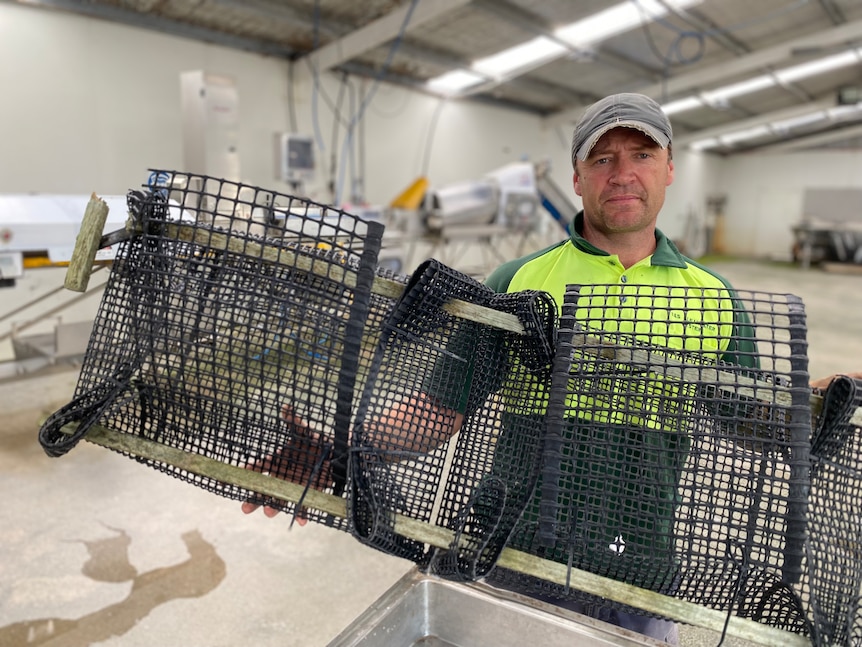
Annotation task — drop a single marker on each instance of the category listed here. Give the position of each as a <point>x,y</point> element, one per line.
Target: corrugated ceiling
<point>686,52</point>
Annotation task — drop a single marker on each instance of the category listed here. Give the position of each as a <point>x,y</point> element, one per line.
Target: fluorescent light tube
<point>454,82</point>
<point>592,29</point>
<point>813,68</point>
<point>527,54</point>
<point>720,95</point>
<point>840,112</point>
<point>616,20</point>
<point>742,135</point>
<point>802,120</point>
<point>682,105</point>
<point>704,144</point>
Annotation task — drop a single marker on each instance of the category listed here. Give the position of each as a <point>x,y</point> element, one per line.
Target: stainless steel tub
<point>427,611</point>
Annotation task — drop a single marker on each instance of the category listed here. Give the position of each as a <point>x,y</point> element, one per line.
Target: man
<point>622,160</point>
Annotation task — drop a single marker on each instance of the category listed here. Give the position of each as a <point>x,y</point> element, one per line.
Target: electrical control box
<point>294,158</point>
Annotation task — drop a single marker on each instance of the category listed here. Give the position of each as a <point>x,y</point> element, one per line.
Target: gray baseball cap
<point>625,110</point>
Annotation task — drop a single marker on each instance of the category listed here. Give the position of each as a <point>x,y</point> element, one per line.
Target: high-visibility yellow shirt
<point>706,320</point>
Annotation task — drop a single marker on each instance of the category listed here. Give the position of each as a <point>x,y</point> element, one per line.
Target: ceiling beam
<point>755,62</point>
<point>379,32</point>
<point>164,26</point>
<point>833,11</point>
<point>269,10</point>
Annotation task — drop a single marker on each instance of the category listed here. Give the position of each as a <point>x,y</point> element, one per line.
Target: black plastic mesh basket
<point>236,321</point>
<point>665,464</point>
<point>661,455</point>
<point>435,363</point>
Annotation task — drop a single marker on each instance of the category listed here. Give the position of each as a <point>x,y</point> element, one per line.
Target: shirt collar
<point>666,253</point>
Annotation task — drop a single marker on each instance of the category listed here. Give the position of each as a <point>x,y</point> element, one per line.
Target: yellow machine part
<point>32,262</point>
<point>412,196</point>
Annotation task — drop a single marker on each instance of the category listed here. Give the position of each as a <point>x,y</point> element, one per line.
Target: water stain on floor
<point>108,561</point>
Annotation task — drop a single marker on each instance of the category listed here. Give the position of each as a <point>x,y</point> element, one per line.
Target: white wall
<point>765,195</point>
<point>79,112</point>
<point>695,178</point>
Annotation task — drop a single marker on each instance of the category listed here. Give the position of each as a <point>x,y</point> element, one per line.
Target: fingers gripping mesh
<point>239,318</point>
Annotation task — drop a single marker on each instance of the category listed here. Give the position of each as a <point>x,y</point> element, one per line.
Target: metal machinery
<point>830,230</point>
<point>38,232</point>
<point>476,224</point>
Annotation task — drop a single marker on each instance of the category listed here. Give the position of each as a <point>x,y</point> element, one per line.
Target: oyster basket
<point>247,343</point>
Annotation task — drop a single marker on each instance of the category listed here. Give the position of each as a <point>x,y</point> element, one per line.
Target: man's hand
<point>304,460</point>
<point>824,382</point>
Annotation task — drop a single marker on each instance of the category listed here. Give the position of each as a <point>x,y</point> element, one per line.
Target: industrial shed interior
<point>446,126</point>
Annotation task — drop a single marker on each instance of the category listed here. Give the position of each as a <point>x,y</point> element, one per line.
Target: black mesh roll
<point>834,550</point>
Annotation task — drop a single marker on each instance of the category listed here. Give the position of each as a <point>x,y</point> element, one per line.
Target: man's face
<point>623,181</point>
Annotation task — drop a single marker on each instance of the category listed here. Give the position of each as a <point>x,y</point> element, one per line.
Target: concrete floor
<point>96,549</point>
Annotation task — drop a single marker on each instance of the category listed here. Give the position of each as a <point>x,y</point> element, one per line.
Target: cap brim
<point>653,133</point>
